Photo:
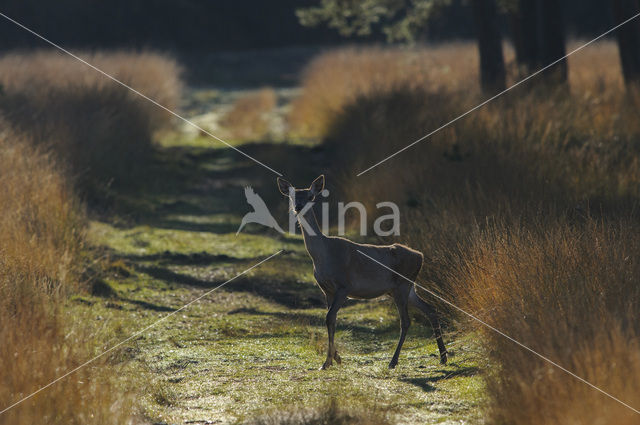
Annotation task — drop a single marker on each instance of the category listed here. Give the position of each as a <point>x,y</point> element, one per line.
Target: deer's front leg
<point>338,300</point>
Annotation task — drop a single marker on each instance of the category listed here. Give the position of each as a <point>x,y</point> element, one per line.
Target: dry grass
<point>338,78</point>
<point>571,293</point>
<point>249,117</point>
<point>41,237</point>
<point>558,148</point>
<point>41,220</point>
<point>64,126</point>
<point>100,129</point>
<point>524,211</point>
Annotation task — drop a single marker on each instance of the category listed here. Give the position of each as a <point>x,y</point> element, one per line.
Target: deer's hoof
<point>337,358</point>
<point>393,364</point>
<point>443,358</point>
<point>325,366</point>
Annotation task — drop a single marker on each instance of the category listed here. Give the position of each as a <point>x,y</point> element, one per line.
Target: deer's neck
<point>314,242</point>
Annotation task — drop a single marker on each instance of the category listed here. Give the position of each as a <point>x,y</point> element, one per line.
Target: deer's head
<point>299,198</point>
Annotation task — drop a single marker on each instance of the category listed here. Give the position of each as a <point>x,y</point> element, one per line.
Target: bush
<point>249,117</point>
<point>101,130</point>
<point>336,78</point>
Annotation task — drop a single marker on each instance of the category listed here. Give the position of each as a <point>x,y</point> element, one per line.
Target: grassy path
<point>254,346</point>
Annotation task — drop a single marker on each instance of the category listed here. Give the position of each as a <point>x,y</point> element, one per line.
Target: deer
<point>343,271</point>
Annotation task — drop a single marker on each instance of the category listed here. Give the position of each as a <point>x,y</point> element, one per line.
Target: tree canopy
<point>398,20</point>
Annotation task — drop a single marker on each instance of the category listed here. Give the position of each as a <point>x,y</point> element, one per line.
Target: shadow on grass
<point>297,317</point>
<point>170,277</point>
<point>218,228</point>
<point>198,181</point>
<point>288,293</point>
<point>420,382</point>
<point>148,305</point>
<point>168,257</point>
<point>101,288</point>
<point>358,331</point>
<point>440,375</point>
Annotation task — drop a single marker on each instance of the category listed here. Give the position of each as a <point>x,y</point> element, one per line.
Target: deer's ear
<point>317,185</point>
<point>284,186</point>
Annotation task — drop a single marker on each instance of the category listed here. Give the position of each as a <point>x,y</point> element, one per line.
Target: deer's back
<point>345,267</point>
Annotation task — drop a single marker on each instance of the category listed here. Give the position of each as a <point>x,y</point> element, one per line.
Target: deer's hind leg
<point>432,315</point>
<point>401,298</point>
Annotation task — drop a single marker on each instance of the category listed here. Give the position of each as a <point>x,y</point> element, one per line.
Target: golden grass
<point>41,233</point>
<point>64,126</point>
<point>335,79</point>
<point>524,210</point>
<point>570,293</point>
<point>102,131</point>
<point>248,118</point>
<point>153,74</point>
<point>41,222</point>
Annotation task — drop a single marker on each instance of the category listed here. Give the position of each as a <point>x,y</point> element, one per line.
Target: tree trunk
<point>538,37</point>
<point>628,39</point>
<point>523,20</point>
<point>552,43</point>
<point>492,71</point>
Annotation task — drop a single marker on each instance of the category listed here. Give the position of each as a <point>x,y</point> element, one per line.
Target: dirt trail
<point>254,345</point>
